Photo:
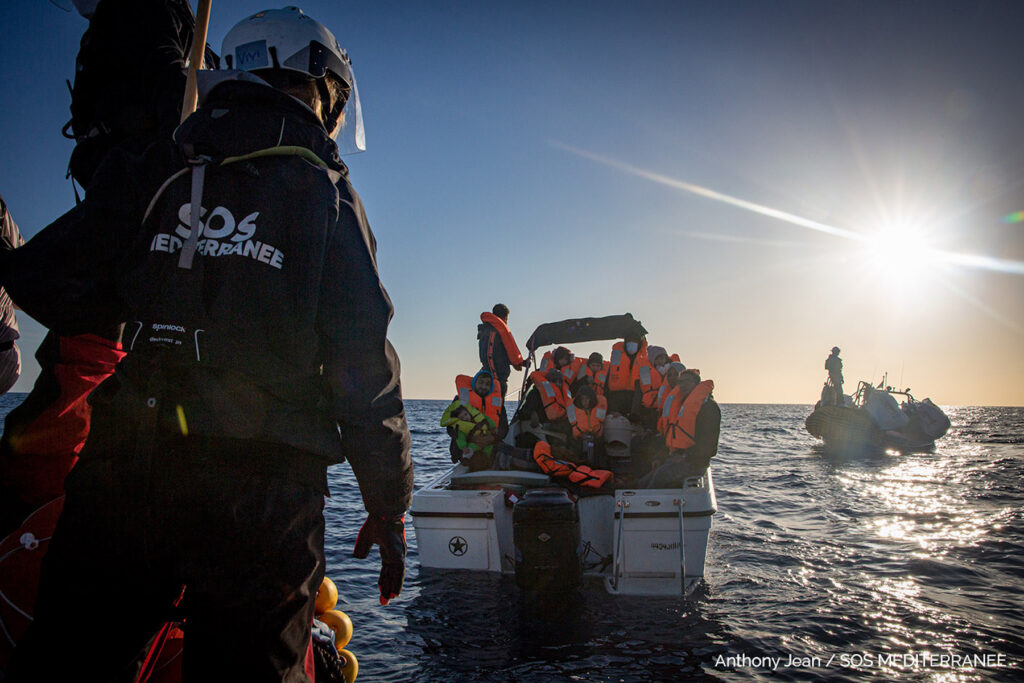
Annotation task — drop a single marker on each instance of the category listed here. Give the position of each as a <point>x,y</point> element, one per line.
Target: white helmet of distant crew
<point>288,39</point>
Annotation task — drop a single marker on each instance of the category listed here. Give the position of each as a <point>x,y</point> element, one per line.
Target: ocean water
<point>883,567</point>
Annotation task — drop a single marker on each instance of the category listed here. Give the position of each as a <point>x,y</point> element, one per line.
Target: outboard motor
<point>546,534</point>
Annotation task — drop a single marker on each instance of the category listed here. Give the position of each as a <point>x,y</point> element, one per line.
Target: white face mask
<point>632,347</point>
<point>662,368</point>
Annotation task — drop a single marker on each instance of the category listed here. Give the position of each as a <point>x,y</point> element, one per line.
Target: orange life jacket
<point>681,423</point>
<point>577,474</point>
<point>587,423</point>
<point>568,371</point>
<point>623,373</point>
<point>507,340</point>
<point>489,405</point>
<point>667,397</point>
<point>650,382</point>
<point>555,399</point>
<point>600,377</point>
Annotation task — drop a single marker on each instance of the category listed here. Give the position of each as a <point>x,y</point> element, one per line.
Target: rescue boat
<point>551,535</point>
<point>873,419</point>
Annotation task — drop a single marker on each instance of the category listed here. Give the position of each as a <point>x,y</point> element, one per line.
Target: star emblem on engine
<point>457,546</point>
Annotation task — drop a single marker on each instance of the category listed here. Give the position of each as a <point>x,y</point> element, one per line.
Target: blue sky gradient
<point>569,159</point>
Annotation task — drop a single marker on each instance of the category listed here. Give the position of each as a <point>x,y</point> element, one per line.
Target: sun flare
<point>898,255</point>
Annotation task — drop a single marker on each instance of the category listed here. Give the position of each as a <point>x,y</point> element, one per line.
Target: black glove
<point>389,534</point>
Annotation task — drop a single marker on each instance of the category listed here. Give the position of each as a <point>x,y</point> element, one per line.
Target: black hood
<point>232,121</point>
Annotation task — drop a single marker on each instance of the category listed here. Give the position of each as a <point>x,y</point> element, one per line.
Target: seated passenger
<point>691,433</point>
<point>632,381</point>
<point>586,416</point>
<point>562,359</point>
<point>668,395</point>
<point>545,402</point>
<point>473,419</point>
<point>659,358</point>
<point>595,369</point>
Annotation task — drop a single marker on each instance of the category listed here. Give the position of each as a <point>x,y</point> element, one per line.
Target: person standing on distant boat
<point>834,365</point>
<point>257,357</point>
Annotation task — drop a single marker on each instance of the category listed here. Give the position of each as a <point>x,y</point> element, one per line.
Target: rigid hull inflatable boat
<point>874,419</point>
<point>637,541</point>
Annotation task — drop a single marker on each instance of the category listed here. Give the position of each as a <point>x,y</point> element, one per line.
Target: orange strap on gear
<point>581,475</point>
<point>509,342</point>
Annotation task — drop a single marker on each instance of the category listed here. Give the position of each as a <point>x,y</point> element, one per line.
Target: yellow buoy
<point>341,625</point>
<point>326,596</point>
<point>351,668</point>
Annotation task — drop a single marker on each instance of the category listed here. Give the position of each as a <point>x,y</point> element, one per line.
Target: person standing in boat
<point>834,365</point>
<point>692,429</point>
<point>250,369</point>
<point>499,352</point>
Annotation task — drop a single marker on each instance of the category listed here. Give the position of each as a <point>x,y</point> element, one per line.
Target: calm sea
<point>885,567</point>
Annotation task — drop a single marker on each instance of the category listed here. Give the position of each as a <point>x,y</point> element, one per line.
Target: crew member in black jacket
<point>256,328</point>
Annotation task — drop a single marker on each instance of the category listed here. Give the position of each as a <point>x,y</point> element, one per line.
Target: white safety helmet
<point>288,39</point>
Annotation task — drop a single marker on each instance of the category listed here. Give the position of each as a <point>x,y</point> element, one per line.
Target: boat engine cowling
<point>884,410</point>
<point>546,534</point>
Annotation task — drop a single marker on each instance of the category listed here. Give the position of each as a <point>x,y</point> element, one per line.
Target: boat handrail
<point>617,567</point>
<point>435,482</point>
<point>680,503</point>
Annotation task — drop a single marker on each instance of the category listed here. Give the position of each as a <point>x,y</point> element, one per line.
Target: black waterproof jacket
<point>278,332</point>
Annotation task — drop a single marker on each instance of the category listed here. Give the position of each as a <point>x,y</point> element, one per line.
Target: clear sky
<point>756,181</point>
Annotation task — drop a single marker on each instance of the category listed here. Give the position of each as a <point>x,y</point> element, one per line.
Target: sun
<point>898,255</point>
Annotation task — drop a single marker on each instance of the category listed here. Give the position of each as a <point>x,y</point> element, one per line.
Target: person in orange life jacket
<point>596,370</point>
<point>472,420</point>
<point>691,435</point>
<point>586,416</point>
<point>651,447</point>
<point>659,359</point>
<point>564,361</point>
<point>667,393</point>
<point>544,403</point>
<point>499,352</point>
<point>632,381</point>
